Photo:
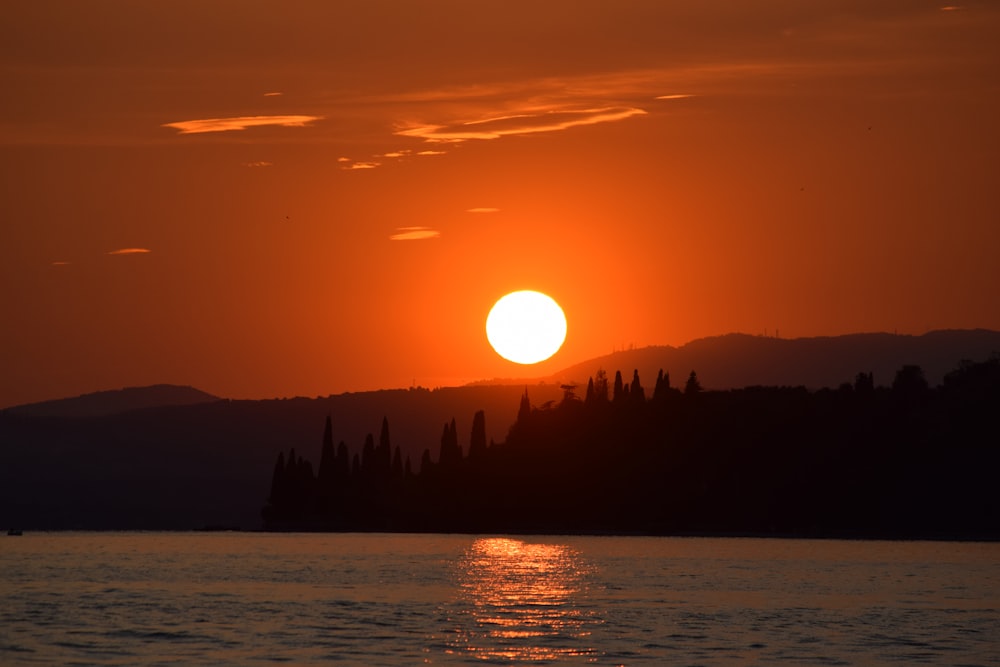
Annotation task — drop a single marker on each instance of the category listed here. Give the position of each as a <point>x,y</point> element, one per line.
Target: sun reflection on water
<point>523,602</point>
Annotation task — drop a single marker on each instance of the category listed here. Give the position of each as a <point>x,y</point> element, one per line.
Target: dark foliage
<point>905,461</point>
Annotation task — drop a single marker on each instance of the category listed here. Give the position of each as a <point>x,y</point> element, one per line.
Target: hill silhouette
<point>737,360</point>
<point>116,401</point>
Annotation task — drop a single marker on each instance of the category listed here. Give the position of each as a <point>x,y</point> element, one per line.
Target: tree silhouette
<point>450,454</point>
<point>384,451</point>
<point>277,496</point>
<point>910,381</point>
<point>618,394</point>
<point>636,393</point>
<point>692,386</point>
<point>524,410</point>
<point>327,459</point>
<point>477,441</point>
<point>368,458</point>
<point>600,381</point>
<point>662,386</point>
<point>864,383</point>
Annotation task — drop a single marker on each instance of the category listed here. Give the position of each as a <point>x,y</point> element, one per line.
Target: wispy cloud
<point>259,163</point>
<point>677,96</point>
<point>239,123</point>
<point>59,263</point>
<point>273,94</point>
<point>129,251</point>
<point>414,234</point>
<point>551,120</point>
<point>482,209</point>
<point>352,166</point>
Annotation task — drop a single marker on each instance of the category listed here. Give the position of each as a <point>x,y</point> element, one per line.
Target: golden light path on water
<point>524,602</point>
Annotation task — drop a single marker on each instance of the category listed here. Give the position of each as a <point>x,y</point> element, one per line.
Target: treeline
<point>906,460</point>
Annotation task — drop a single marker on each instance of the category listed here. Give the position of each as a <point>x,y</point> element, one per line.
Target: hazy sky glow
<point>219,202</point>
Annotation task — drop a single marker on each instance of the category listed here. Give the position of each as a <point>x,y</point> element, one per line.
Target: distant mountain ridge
<point>115,401</point>
<point>741,360</point>
<point>727,361</point>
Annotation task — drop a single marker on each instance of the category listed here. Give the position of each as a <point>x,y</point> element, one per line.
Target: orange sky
<point>308,197</point>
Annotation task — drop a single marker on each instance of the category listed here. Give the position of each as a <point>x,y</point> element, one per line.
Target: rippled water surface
<point>239,598</point>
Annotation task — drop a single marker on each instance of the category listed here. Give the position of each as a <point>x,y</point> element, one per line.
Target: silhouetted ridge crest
<point>103,403</point>
<point>739,360</point>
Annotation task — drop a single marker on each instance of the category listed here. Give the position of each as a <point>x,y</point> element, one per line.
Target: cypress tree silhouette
<point>342,469</point>
<point>327,459</point>
<point>383,455</point>
<point>453,438</point>
<point>397,465</point>
<point>692,386</point>
<point>368,458</point>
<point>477,441</point>
<point>601,386</point>
<point>619,391</point>
<point>524,409</point>
<point>636,393</point>
<point>277,497</point>
<point>662,388</point>
<point>450,455</point>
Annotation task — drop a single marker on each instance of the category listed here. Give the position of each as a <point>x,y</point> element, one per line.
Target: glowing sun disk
<point>526,327</point>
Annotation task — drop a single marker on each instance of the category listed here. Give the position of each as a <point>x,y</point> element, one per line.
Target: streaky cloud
<point>414,234</point>
<point>678,96</point>
<point>59,263</point>
<point>239,123</point>
<point>354,166</point>
<point>482,209</point>
<point>273,94</point>
<point>260,163</point>
<point>426,153</point>
<point>495,127</point>
<point>130,251</point>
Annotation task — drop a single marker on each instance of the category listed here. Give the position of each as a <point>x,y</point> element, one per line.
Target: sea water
<point>385,599</point>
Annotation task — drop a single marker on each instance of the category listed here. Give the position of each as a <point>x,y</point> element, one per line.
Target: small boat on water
<point>15,531</point>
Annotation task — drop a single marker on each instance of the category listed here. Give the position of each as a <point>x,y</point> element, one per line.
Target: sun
<point>526,327</point>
